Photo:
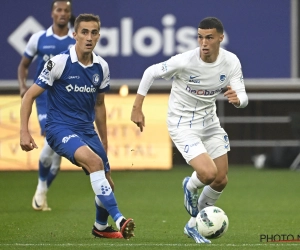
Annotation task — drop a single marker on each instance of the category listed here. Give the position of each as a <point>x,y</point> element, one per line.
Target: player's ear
<point>221,37</point>
<point>75,35</point>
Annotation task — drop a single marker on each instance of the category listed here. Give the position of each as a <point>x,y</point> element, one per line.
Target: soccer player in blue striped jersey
<point>76,81</point>
<point>43,45</point>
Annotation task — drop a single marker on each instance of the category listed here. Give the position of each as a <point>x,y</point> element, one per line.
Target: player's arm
<point>165,70</point>
<point>236,92</point>
<point>100,119</point>
<point>26,141</point>
<point>23,73</point>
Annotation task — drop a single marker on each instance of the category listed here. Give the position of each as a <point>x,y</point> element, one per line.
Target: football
<point>212,222</point>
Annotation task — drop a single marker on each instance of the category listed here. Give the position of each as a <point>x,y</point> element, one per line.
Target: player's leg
<point>86,158</point>
<point>75,148</point>
<point>211,193</point>
<point>217,146</point>
<point>101,228</point>
<point>192,149</point>
<point>39,201</point>
<point>54,169</point>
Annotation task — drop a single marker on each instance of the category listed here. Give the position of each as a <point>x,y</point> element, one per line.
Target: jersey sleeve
<point>52,71</point>
<point>105,84</point>
<point>32,45</point>
<point>237,84</point>
<point>165,70</point>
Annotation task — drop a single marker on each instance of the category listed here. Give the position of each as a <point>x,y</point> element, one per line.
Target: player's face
<point>61,13</point>
<point>87,36</point>
<point>209,41</point>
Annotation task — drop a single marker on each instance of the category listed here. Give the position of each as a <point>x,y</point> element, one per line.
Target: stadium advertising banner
<point>129,149</point>
<point>136,34</point>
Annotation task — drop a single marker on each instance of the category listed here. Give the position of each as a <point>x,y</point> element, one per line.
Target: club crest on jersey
<point>96,79</point>
<point>164,67</point>
<point>222,77</point>
<point>50,65</point>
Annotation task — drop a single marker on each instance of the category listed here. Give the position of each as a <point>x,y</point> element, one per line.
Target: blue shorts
<point>65,141</point>
<point>41,108</point>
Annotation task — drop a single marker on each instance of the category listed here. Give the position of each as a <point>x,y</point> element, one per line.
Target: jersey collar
<point>49,32</point>
<point>74,57</point>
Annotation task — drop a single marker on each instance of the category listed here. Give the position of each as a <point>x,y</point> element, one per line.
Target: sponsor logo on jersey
<point>203,92</point>
<point>192,79</point>
<point>73,77</point>
<point>82,89</point>
<point>226,138</point>
<point>44,76</point>
<point>49,47</point>
<point>186,148</point>
<point>222,77</point>
<point>42,117</point>
<point>67,138</point>
<point>50,65</point>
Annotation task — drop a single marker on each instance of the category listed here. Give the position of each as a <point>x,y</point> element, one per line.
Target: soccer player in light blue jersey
<point>76,81</point>
<point>43,45</point>
<point>199,76</point>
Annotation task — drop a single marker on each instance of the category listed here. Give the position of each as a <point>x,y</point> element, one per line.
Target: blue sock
<point>101,215</point>
<point>43,171</point>
<point>105,194</point>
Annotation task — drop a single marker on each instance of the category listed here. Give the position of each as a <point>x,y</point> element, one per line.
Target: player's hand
<point>23,90</point>
<point>138,118</point>
<point>26,142</point>
<point>232,96</point>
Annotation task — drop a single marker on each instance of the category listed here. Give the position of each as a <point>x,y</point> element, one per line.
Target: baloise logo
<point>82,89</point>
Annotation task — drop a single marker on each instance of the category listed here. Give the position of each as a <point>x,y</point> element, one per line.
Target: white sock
<point>99,226</point>
<point>208,197</point>
<point>194,183</point>
<point>119,221</point>
<point>192,222</point>
<point>42,186</point>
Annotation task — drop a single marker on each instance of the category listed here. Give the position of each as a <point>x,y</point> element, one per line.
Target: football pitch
<point>260,204</point>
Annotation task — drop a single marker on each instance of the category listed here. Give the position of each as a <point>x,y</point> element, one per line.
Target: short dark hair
<point>54,1</point>
<point>86,18</point>
<point>211,23</point>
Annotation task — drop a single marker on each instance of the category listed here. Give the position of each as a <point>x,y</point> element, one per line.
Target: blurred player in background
<point>198,76</point>
<point>44,45</point>
<point>76,81</point>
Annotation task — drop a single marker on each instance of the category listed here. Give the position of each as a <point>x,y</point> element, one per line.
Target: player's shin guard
<point>105,194</point>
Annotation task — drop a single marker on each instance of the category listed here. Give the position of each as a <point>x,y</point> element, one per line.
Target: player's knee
<point>208,175</point>
<point>95,164</point>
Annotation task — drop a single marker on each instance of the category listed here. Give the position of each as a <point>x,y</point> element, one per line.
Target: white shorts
<point>191,144</point>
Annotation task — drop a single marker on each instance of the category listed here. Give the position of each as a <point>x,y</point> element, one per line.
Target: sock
<point>56,160</point>
<point>208,197</point>
<point>104,193</point>
<point>101,215</point>
<point>194,183</point>
<point>192,222</point>
<point>45,161</point>
<point>42,186</point>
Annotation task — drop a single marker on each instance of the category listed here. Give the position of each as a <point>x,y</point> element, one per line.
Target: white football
<point>212,222</point>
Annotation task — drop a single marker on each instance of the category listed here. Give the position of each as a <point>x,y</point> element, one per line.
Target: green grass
<point>256,202</point>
